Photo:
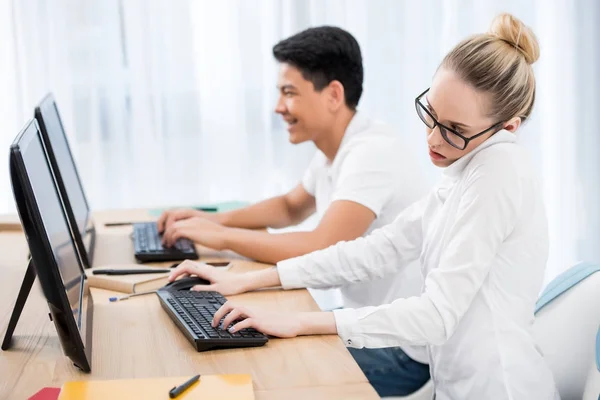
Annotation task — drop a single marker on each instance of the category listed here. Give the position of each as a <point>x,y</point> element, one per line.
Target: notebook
<point>213,387</point>
<point>127,283</point>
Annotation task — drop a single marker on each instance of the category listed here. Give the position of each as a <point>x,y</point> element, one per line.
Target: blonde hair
<point>499,63</point>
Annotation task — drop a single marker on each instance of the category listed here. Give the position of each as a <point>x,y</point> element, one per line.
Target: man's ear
<point>335,95</point>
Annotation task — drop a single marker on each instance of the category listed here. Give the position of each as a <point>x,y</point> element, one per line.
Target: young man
<point>360,178</point>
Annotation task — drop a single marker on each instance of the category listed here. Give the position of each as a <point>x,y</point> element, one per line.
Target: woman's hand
<point>222,281</point>
<point>280,324</point>
<point>284,325</point>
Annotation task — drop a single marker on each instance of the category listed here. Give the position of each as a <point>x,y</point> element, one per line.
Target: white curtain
<point>171,102</point>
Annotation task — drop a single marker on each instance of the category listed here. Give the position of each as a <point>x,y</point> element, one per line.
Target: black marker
<point>177,390</point>
<point>128,271</point>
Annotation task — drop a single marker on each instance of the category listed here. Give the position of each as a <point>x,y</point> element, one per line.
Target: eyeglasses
<point>454,138</point>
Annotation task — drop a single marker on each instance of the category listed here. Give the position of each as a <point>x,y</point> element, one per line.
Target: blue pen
<point>177,390</point>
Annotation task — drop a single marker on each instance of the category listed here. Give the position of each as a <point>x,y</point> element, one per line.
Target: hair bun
<point>514,32</point>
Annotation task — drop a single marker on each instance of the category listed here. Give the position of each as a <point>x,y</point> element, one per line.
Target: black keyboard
<point>148,246</point>
<point>193,312</point>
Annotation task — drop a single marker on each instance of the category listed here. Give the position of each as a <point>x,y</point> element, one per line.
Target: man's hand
<point>169,217</point>
<point>199,230</point>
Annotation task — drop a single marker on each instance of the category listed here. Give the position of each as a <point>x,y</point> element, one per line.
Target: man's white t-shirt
<point>373,169</point>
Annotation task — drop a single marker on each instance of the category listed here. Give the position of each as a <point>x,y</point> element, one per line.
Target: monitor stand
<point>28,280</point>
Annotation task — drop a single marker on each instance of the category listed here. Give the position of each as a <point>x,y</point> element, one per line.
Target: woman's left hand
<point>284,325</point>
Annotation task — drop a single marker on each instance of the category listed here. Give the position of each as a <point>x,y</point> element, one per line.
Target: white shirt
<point>482,240</point>
<point>372,168</point>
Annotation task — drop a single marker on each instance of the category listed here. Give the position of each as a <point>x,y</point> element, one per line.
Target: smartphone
<point>218,263</point>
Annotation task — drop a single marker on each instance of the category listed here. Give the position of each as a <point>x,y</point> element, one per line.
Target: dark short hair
<point>324,54</point>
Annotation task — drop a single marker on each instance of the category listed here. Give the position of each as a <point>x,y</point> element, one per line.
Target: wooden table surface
<point>136,338</point>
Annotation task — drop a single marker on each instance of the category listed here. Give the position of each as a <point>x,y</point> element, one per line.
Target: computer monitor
<point>54,255</point>
<point>146,239</point>
<point>67,178</point>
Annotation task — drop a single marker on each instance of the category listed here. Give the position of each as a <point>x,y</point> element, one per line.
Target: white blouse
<point>482,240</point>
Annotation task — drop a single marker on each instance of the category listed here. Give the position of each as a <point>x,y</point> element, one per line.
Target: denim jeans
<point>390,371</point>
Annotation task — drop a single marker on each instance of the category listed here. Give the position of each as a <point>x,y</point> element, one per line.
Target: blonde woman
<point>481,237</point>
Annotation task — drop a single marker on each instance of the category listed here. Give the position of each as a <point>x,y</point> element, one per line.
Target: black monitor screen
<point>66,164</point>
<point>54,222</point>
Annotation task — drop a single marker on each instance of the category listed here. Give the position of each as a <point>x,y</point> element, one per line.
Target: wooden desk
<point>10,222</point>
<point>136,338</point>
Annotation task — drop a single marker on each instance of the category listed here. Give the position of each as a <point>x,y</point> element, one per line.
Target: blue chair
<point>566,329</point>
<point>566,326</point>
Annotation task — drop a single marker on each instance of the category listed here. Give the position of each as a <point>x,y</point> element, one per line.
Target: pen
<point>114,299</point>
<point>206,209</point>
<point>129,271</point>
<point>118,223</point>
<point>177,390</point>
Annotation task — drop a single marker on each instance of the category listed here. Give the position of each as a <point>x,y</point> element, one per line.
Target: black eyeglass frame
<point>420,106</point>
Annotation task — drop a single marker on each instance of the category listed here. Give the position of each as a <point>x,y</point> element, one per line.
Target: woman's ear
<point>512,125</point>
